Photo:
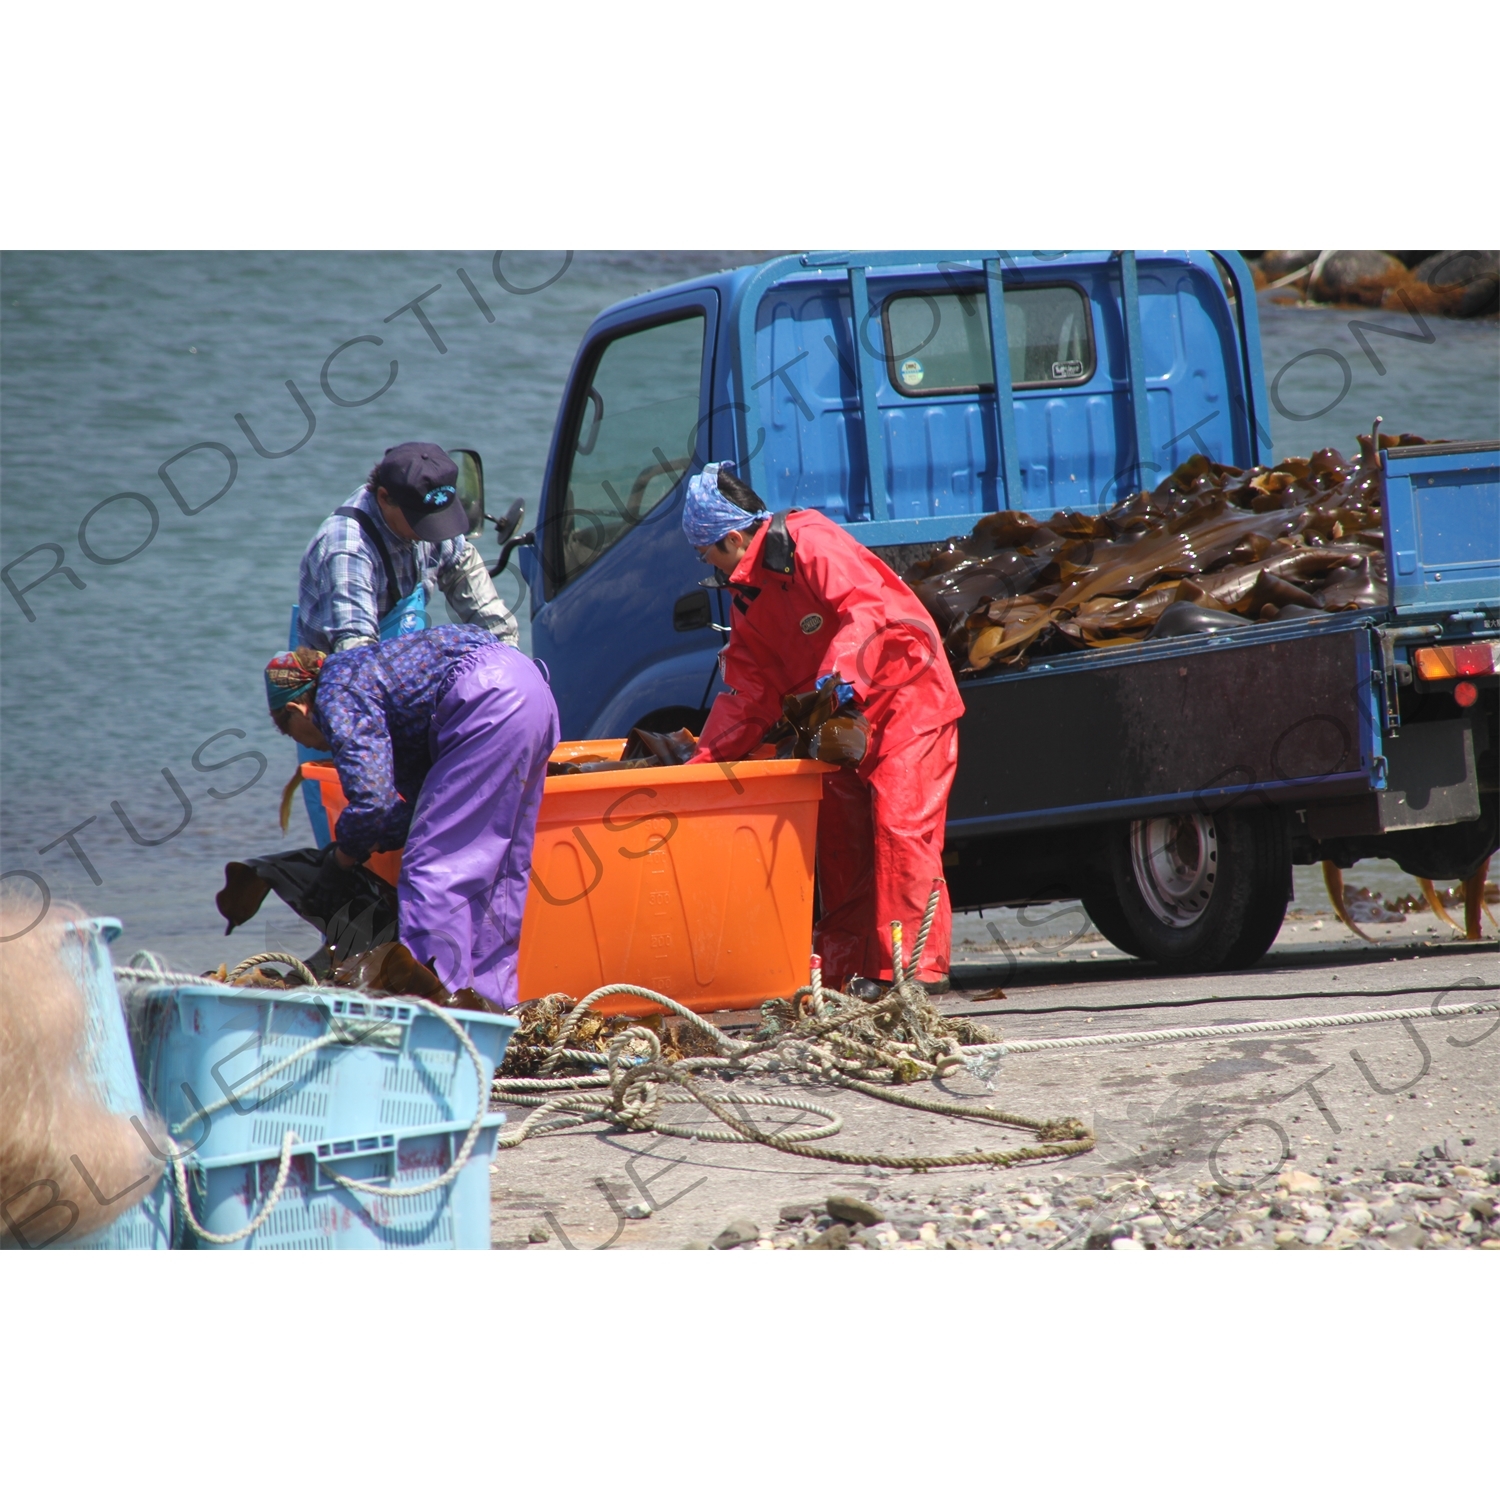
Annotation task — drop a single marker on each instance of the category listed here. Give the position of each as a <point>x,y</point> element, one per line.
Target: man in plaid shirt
<point>402,529</point>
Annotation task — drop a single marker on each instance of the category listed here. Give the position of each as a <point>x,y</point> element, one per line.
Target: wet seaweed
<point>1304,537</point>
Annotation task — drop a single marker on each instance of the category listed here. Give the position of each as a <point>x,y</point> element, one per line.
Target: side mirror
<point>470,486</point>
<point>506,527</point>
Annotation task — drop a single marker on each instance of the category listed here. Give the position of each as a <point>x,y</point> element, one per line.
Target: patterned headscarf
<point>707,517</point>
<point>287,678</point>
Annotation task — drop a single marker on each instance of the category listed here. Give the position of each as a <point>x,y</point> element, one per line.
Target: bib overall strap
<point>372,533</point>
<point>780,548</point>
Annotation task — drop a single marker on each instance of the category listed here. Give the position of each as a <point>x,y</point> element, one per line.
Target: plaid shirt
<point>342,591</point>
<point>374,705</point>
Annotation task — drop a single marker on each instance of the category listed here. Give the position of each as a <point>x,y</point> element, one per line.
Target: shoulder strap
<point>781,548</point>
<point>372,532</point>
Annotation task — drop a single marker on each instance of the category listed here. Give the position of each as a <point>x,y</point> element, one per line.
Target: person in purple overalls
<point>441,741</point>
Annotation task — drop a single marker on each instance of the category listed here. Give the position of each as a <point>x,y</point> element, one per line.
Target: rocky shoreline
<point>1448,283</point>
<point>1433,1203</point>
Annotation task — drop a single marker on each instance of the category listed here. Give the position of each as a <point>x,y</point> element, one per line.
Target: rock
<point>1298,1182</point>
<point>1407,1237</point>
<point>795,1213</point>
<point>1126,1243</point>
<point>1358,276</point>
<point>638,1211</point>
<point>835,1237</point>
<point>1314,1233</point>
<point>1465,282</point>
<point>740,1232</point>
<point>1492,1170</point>
<point>1275,264</point>
<point>853,1210</point>
<point>537,1235</point>
<point>1285,1238</point>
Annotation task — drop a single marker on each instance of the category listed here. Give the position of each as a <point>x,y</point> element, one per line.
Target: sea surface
<point>136,757</point>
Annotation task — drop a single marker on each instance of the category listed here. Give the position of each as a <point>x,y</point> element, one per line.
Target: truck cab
<point>867,387</point>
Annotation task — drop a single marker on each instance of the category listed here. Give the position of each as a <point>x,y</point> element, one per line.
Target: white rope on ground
<point>1199,1033</point>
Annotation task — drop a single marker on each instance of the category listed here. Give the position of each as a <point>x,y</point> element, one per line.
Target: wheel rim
<point>1175,861</point>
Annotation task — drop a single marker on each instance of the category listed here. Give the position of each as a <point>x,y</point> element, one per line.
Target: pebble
<point>835,1237</point>
<point>1431,1203</point>
<point>740,1232</point>
<point>853,1210</point>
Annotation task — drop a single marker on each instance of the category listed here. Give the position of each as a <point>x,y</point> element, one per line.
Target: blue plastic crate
<point>111,1070</point>
<point>316,1213</point>
<point>219,1049</point>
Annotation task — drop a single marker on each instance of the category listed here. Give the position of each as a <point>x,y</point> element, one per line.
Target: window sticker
<point>912,372</point>
<point>1067,369</point>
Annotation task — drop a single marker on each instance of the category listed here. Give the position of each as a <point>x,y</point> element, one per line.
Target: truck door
<point>613,559</point>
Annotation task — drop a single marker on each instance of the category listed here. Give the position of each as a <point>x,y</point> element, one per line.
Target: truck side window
<point>937,343</point>
<point>634,439</point>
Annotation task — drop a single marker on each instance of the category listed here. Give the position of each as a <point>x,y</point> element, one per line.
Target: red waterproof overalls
<point>880,827</point>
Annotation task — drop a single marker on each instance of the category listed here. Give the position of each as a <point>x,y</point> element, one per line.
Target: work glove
<point>844,694</point>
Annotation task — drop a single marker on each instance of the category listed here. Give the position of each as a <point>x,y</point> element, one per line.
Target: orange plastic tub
<point>694,881</point>
<point>387,865</point>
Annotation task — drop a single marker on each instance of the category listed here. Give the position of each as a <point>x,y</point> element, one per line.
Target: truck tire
<point>1106,913</point>
<point>1203,891</point>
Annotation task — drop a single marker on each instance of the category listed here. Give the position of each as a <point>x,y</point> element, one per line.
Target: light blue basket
<point>316,1213</point>
<point>221,1080</point>
<point>111,1071</point>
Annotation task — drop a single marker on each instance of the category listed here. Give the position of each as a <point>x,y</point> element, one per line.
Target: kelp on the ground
<point>1211,546</point>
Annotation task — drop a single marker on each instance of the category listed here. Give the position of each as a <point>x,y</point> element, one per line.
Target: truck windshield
<point>634,439</point>
<point>940,342</point>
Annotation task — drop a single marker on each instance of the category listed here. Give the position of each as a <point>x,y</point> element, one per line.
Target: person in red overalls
<point>809,601</point>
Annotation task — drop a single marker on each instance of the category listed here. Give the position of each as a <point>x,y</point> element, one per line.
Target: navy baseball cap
<point>422,480</point>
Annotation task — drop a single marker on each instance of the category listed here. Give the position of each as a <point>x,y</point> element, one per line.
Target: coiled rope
<point>820,1036</point>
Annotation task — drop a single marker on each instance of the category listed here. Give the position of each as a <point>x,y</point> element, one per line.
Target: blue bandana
<point>707,517</point>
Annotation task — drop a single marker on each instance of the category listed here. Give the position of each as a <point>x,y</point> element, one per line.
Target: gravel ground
<point>1429,1204</point>
<point>1174,1120</point>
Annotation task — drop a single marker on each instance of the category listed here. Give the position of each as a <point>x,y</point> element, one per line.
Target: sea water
<point>136,757</point>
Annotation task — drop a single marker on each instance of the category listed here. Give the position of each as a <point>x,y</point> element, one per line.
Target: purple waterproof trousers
<point>468,853</point>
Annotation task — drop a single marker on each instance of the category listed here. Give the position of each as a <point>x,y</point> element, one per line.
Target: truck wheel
<point>1106,913</point>
<point>1203,891</point>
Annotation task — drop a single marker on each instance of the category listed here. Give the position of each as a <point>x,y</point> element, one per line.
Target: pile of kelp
<point>643,749</point>
<point>1212,547</point>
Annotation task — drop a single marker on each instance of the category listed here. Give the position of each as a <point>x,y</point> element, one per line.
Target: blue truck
<point>1171,785</point>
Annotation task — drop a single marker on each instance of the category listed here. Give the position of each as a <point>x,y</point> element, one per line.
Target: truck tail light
<point>1435,663</point>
